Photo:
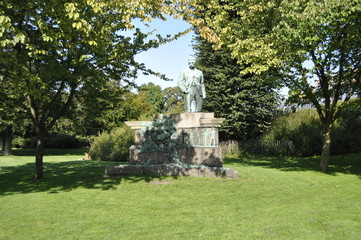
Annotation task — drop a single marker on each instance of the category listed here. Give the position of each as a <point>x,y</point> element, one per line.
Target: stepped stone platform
<point>185,144</point>
<point>170,170</point>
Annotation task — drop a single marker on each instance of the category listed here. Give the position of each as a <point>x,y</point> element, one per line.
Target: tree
<point>12,114</point>
<point>154,96</point>
<point>173,100</point>
<point>247,102</point>
<point>311,40</point>
<point>6,117</point>
<point>101,109</point>
<point>52,50</point>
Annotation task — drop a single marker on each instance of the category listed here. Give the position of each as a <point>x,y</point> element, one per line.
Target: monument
<point>184,144</point>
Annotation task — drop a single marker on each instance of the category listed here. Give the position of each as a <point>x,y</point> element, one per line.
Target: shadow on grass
<point>347,164</point>
<point>50,152</point>
<point>63,176</point>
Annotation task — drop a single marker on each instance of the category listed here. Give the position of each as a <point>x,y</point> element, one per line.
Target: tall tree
<point>154,96</point>
<point>247,102</point>
<point>51,50</point>
<point>310,40</point>
<point>173,100</point>
<point>6,117</point>
<point>12,114</point>
<point>101,109</point>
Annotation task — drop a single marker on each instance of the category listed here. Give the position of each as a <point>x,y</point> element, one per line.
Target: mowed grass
<point>273,198</point>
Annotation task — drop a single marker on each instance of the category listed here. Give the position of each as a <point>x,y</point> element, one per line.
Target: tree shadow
<point>50,152</point>
<point>63,176</point>
<point>346,164</point>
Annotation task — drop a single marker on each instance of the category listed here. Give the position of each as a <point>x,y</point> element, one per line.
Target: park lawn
<point>273,198</point>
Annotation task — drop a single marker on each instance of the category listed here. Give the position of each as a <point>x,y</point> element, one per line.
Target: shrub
<point>112,146</point>
<point>19,142</point>
<point>302,128</point>
<point>346,137</point>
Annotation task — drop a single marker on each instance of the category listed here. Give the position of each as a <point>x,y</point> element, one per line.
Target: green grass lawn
<point>274,198</point>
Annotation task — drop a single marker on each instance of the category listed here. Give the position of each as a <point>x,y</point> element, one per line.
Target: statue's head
<point>191,63</point>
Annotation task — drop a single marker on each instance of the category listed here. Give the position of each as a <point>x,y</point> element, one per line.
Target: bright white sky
<point>170,58</point>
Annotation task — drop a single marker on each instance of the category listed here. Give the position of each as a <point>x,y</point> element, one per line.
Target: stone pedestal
<point>169,170</point>
<point>183,144</point>
<point>190,138</point>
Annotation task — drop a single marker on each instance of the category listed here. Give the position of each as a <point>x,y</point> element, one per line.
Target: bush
<point>19,142</point>
<point>346,137</point>
<point>302,128</point>
<point>112,146</point>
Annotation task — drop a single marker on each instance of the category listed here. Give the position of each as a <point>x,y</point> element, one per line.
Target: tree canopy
<point>51,51</point>
<point>308,41</point>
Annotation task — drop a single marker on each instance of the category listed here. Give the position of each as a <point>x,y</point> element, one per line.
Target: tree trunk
<point>39,156</point>
<point>326,147</point>
<point>7,144</point>
<point>2,142</point>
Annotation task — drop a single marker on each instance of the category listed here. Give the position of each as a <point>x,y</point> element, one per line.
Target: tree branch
<point>64,108</point>
<point>47,107</point>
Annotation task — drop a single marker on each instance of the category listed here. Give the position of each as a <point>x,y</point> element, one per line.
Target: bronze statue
<point>191,83</point>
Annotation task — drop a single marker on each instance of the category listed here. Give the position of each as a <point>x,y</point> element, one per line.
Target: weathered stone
<point>207,156</point>
<point>124,170</point>
<point>168,170</point>
<point>137,157</point>
<point>196,140</point>
<point>231,173</point>
<point>195,172</point>
<point>183,120</point>
<point>172,140</point>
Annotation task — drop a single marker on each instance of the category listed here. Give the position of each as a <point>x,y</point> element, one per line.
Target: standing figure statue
<point>191,83</point>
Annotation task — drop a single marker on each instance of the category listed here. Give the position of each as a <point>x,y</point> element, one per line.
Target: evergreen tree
<point>245,101</point>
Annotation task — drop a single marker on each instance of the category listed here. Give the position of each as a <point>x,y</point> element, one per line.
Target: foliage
<point>97,112</point>
<point>274,199</point>
<point>315,44</point>
<point>254,30</point>
<point>19,142</point>
<point>161,136</point>
<point>100,109</point>
<point>112,146</point>
<point>154,97</point>
<point>53,51</point>
<point>347,132</point>
<point>104,110</point>
<point>259,146</point>
<point>12,115</point>
<point>247,102</point>
<point>53,141</point>
<point>304,129</point>
<point>173,100</point>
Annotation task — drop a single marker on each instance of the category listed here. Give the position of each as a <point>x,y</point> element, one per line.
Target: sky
<point>170,58</point>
